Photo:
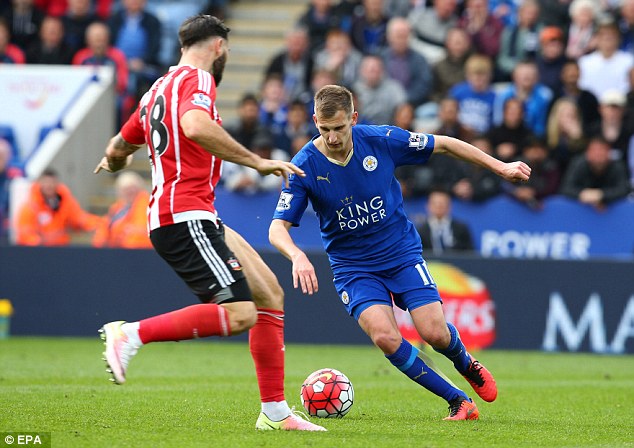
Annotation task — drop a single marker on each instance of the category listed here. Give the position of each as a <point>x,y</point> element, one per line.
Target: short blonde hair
<point>330,99</point>
<point>478,63</point>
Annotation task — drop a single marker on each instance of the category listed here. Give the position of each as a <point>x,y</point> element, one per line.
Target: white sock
<point>131,329</point>
<point>276,410</point>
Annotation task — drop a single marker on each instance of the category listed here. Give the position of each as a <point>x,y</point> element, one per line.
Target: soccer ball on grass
<point>327,393</point>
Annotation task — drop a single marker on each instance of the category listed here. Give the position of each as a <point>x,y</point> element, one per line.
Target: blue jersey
<point>359,202</point>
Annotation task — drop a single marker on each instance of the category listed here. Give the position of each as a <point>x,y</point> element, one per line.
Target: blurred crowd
<point>550,82</point>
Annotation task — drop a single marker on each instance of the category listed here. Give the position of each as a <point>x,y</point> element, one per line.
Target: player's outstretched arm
<point>512,171</point>
<point>198,126</point>
<point>303,270</point>
<point>118,155</point>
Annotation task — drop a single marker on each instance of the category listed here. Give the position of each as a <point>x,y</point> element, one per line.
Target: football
<point>327,393</point>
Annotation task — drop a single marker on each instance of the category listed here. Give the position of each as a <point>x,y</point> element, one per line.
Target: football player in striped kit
<point>178,121</point>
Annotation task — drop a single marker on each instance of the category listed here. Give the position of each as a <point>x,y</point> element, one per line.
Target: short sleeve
<point>292,202</point>
<point>409,148</point>
<point>132,131</point>
<point>198,91</point>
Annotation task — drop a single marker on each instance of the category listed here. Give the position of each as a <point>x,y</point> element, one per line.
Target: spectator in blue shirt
<point>137,33</point>
<point>368,28</point>
<point>475,96</point>
<point>535,97</point>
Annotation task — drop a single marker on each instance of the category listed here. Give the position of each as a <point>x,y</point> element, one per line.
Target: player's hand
<point>516,172</point>
<point>278,168</point>
<point>113,164</point>
<point>304,274</point>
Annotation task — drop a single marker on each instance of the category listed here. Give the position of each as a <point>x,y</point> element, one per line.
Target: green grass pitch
<point>204,394</point>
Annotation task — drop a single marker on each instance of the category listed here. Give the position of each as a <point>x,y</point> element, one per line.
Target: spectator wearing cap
<point>612,126</point>
<point>551,58</point>
<point>594,178</point>
<point>607,67</point>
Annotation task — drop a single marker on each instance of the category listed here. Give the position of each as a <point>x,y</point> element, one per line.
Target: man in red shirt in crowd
<point>178,120</point>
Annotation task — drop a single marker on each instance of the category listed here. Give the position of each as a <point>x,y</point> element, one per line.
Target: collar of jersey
<point>336,162</point>
<point>174,67</point>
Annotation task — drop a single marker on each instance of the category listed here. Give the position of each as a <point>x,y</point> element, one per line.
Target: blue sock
<point>407,361</point>
<point>456,351</point>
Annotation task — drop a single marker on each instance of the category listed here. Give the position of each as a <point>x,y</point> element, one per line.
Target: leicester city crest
<point>370,163</point>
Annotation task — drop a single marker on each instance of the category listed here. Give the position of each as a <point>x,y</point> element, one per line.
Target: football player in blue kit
<point>374,250</point>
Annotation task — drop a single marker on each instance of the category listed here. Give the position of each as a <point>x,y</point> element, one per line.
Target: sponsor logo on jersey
<point>324,177</point>
<point>417,140</point>
<point>345,298</point>
<point>354,215</point>
<point>285,202</point>
<point>202,100</point>
<point>235,264</point>
<point>370,163</point>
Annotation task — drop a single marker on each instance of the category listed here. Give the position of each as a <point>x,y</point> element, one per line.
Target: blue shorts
<point>410,286</point>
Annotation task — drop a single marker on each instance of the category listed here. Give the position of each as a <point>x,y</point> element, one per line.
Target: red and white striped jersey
<point>184,175</point>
